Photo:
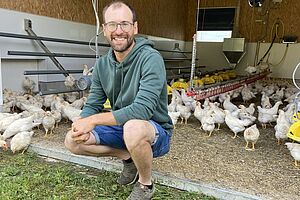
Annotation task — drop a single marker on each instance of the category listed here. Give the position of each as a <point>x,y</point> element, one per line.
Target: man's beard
<point>121,48</point>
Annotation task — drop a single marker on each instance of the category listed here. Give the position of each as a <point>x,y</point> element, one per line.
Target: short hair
<point>117,4</point>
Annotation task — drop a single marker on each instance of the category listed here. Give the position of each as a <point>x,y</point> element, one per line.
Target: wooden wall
<point>72,10</point>
<point>163,18</point>
<point>255,24</point>
<point>175,18</point>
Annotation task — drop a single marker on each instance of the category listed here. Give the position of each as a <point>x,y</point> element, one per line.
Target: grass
<point>27,176</point>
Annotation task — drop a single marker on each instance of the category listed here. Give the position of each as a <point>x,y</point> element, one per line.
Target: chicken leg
<point>246,147</point>
<point>218,127</point>
<point>253,144</point>
<point>235,135</point>
<point>209,133</point>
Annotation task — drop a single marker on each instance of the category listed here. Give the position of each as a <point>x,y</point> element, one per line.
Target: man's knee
<point>71,145</point>
<point>137,132</point>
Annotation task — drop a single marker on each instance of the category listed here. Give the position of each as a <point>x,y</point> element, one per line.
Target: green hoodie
<point>136,87</point>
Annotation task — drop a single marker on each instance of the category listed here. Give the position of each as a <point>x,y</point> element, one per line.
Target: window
<point>215,24</point>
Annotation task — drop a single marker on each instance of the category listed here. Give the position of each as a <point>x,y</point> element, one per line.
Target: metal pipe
<point>28,53</point>
<point>173,51</point>
<point>194,49</point>
<point>37,72</point>
<point>177,59</point>
<point>28,29</point>
<point>30,37</point>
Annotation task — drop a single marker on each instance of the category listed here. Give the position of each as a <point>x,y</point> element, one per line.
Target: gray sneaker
<point>129,174</point>
<point>141,192</point>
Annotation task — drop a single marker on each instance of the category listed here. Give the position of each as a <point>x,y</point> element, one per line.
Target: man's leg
<point>138,137</point>
<point>90,148</point>
<point>106,141</point>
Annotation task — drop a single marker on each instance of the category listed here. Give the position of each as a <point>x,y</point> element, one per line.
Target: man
<point>132,76</point>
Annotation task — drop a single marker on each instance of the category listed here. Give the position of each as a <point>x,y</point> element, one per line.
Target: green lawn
<point>28,176</point>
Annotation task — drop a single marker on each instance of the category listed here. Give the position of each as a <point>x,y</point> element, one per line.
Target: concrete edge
<point>179,183</point>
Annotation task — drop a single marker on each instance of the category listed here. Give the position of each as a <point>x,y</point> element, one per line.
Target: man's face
<point>119,17</point>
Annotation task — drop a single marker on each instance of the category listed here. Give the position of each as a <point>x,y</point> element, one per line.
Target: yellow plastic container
<point>224,76</point>
<point>294,130</point>
<point>231,73</point>
<point>197,82</point>
<point>217,78</point>
<point>180,84</point>
<point>207,80</point>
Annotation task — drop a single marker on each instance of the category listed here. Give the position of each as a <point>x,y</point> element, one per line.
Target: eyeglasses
<point>112,26</point>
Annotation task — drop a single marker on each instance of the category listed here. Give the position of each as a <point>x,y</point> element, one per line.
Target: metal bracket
<point>28,29</point>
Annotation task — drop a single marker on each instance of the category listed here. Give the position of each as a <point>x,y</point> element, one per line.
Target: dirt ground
<point>267,172</point>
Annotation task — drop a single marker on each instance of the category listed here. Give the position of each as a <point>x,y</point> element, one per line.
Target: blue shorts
<point>113,136</point>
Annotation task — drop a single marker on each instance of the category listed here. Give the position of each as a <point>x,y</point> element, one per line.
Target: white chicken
<point>251,134</point>
<point>174,117</point>
<point>7,107</point>
<point>282,127</point>
<point>290,99</point>
<point>250,109</point>
<point>188,101</point>
<point>289,113</point>
<point>4,115</point>
<point>28,85</point>
<point>265,101</point>
<point>185,112</point>
<point>86,71</point>
<point>172,105</point>
<point>57,117</point>
<point>48,123</point>
<point>246,118</point>
<point>69,111</point>
<point>21,141</point>
<point>208,122</point>
<point>24,124</point>
<point>267,115</point>
<point>278,95</point>
<point>228,105</point>
<point>70,81</point>
<point>295,151</point>
<point>199,111</point>
<point>48,100</point>
<point>4,123</point>
<point>71,97</point>
<point>251,69</point>
<point>263,66</point>
<point>79,103</point>
<point>219,115</point>
<point>247,94</point>
<point>236,125</point>
<point>31,108</point>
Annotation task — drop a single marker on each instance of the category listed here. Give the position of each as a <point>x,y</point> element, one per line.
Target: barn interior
<point>211,48</point>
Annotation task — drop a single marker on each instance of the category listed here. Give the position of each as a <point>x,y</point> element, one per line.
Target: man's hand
<point>81,128</point>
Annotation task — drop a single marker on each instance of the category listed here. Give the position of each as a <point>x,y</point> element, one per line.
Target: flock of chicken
<point>21,112</point>
<point>220,109</point>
